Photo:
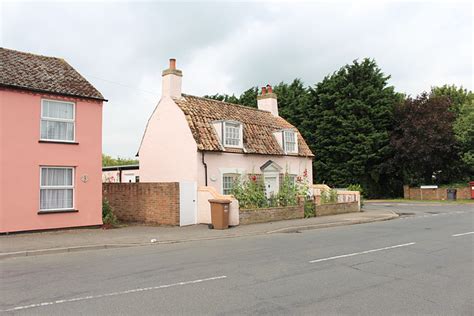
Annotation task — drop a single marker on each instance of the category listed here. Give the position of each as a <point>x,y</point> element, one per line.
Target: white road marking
<point>362,252</point>
<point>90,297</point>
<point>468,233</point>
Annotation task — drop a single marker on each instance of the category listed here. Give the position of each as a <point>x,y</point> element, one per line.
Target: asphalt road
<point>421,263</point>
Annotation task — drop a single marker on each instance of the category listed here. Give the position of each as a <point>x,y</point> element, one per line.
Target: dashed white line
<point>90,297</point>
<point>362,252</point>
<point>462,234</point>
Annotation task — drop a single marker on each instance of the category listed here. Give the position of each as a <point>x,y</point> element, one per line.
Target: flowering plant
<point>249,191</point>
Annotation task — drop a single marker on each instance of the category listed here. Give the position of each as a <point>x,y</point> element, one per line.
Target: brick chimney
<point>172,81</point>
<point>267,101</point>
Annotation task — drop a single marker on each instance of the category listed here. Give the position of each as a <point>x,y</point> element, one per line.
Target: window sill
<point>58,142</point>
<point>57,211</point>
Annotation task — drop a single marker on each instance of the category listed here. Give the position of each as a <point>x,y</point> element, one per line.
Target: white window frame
<point>224,134</point>
<point>228,174</point>
<point>57,187</point>
<point>73,121</point>
<point>284,141</point>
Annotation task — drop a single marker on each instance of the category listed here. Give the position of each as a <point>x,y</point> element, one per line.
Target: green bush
<point>357,187</point>
<point>288,193</point>
<point>309,208</point>
<point>108,216</point>
<point>250,192</point>
<point>329,197</point>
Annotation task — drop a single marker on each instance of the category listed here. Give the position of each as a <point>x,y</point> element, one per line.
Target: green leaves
<point>424,142</point>
<point>110,161</point>
<point>353,112</point>
<point>362,131</point>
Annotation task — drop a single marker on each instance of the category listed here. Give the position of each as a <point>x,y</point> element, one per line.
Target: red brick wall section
<point>148,203</point>
<point>263,215</point>
<point>435,194</point>
<point>337,208</point>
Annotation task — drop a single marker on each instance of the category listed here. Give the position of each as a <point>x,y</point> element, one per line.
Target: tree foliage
<point>464,133</point>
<point>351,121</point>
<point>457,96</point>
<point>462,104</point>
<point>423,140</point>
<point>247,98</point>
<point>110,161</point>
<point>362,131</point>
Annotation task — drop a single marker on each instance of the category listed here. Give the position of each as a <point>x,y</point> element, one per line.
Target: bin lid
<point>221,201</point>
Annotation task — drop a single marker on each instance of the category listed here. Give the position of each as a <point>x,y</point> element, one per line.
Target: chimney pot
<point>269,88</point>
<point>267,101</point>
<point>172,63</point>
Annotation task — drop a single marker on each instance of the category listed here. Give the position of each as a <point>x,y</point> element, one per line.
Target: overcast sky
<point>122,47</point>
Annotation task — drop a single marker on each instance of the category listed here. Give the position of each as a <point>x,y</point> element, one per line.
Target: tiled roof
<point>44,74</point>
<point>258,126</point>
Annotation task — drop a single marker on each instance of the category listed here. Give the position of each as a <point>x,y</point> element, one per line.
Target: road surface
<point>421,263</point>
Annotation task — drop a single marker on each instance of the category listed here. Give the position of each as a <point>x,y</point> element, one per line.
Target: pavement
<point>72,240</point>
<point>419,264</point>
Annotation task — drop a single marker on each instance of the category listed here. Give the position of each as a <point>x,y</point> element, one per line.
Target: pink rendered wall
<point>217,162</point>
<point>21,156</point>
<point>168,152</point>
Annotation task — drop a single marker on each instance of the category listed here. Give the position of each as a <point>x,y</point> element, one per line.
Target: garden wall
<point>271,214</point>
<point>149,203</point>
<point>337,208</point>
<point>463,193</point>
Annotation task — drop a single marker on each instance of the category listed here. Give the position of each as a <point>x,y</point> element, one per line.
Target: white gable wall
<point>168,152</point>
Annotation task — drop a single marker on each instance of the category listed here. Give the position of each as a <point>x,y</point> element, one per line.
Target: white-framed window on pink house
<point>232,134</point>
<point>57,121</point>
<point>290,142</point>
<point>228,181</point>
<point>56,188</point>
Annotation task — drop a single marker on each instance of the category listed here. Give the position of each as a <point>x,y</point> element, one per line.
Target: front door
<point>271,188</point>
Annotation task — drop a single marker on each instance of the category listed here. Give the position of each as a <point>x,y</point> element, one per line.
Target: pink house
<point>208,143</point>
<point>50,145</point>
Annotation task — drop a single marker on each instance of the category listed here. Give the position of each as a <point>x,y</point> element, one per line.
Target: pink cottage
<point>50,145</point>
<point>209,143</point>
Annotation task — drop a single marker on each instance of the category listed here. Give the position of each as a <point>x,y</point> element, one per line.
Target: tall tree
<point>351,118</point>
<point>457,96</point>
<point>464,133</point>
<point>223,97</point>
<point>249,97</point>
<point>462,104</point>
<point>110,161</point>
<point>294,102</point>
<point>424,141</point>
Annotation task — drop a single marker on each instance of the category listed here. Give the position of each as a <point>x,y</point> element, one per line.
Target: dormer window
<point>232,134</point>
<point>290,142</point>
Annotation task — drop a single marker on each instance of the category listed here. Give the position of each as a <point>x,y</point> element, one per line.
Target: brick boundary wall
<point>337,208</point>
<point>463,193</point>
<point>271,214</point>
<point>147,203</point>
